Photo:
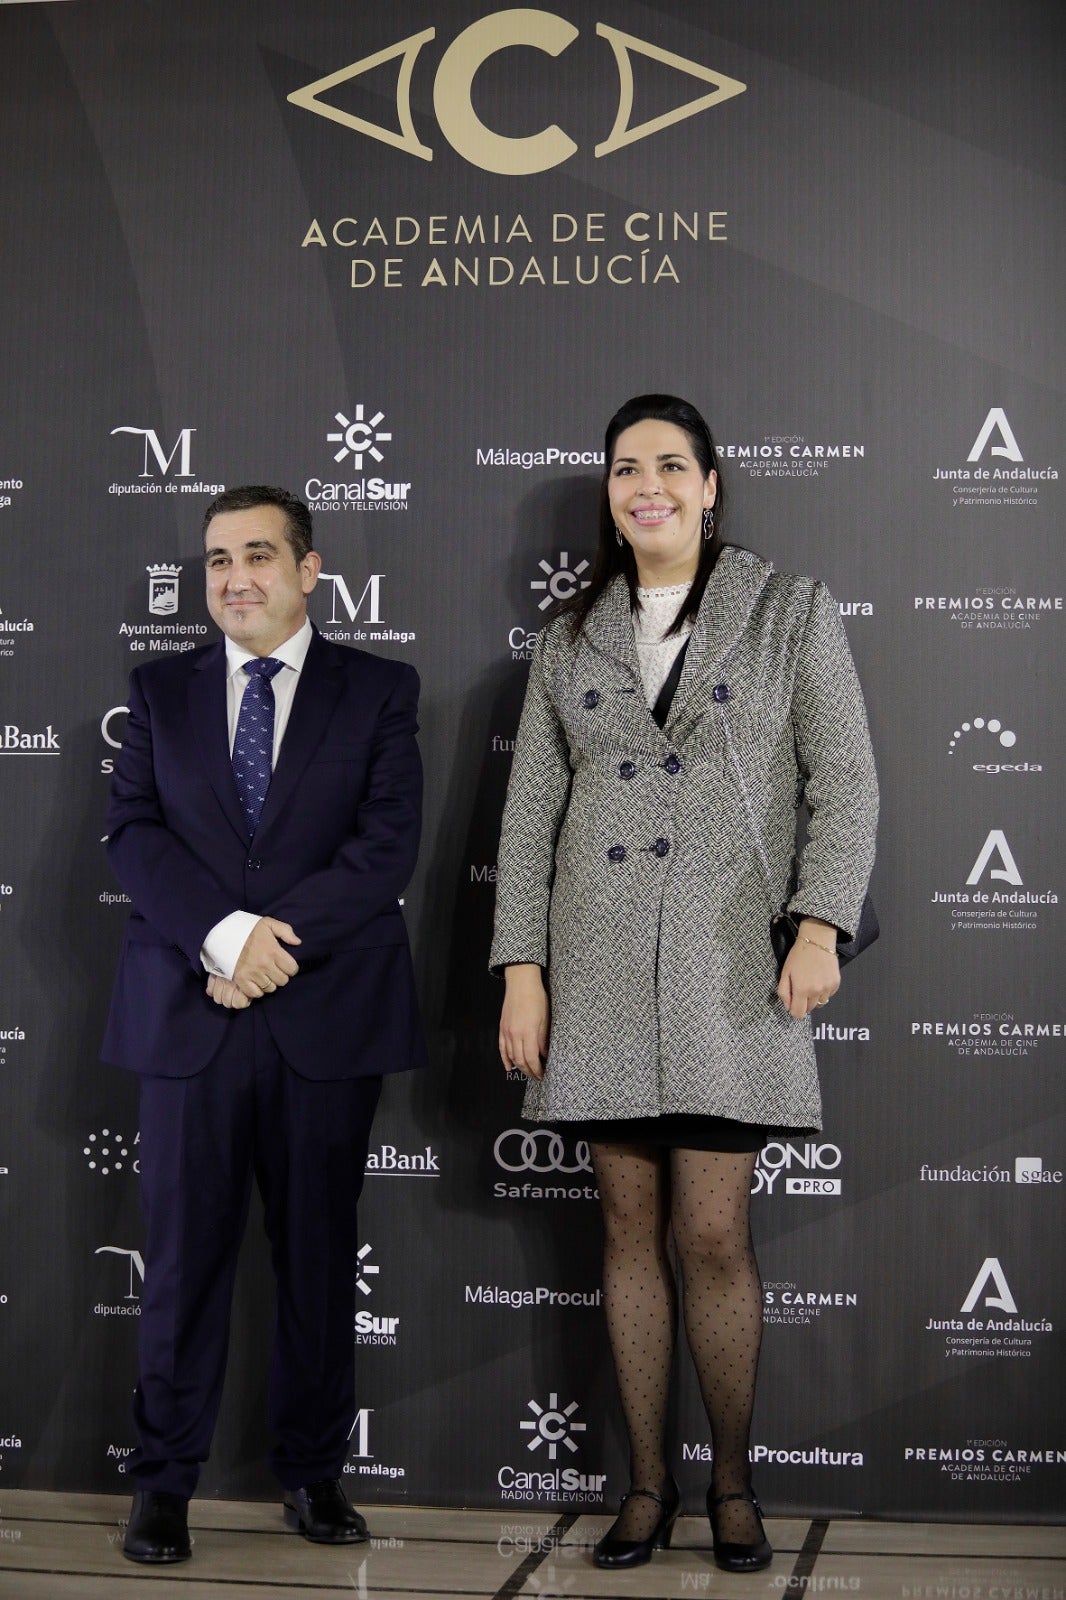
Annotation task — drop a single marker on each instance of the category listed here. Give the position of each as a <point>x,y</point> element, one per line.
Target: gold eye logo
<point>460,124</point>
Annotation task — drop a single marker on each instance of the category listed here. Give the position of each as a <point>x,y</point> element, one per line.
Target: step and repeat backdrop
<point>406,260</point>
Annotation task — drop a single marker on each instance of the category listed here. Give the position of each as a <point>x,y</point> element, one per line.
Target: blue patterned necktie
<point>253,743</point>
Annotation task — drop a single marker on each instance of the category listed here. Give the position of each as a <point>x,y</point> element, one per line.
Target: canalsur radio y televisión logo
<point>988,1033</point>
<point>371,1327</point>
<point>984,1460</point>
<point>1014,908</point>
<point>552,1434</point>
<point>358,445</point>
<point>995,472</point>
<point>988,1323</point>
<point>1028,1171</point>
<point>160,470</point>
<point>362,1461</point>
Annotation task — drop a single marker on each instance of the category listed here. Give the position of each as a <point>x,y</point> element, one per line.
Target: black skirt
<point>677,1130</point>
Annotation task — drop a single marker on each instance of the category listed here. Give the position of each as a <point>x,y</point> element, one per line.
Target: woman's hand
<point>524,1020</point>
<point>811,973</point>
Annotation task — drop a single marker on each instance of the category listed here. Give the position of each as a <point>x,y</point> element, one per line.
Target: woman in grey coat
<point>678,711</point>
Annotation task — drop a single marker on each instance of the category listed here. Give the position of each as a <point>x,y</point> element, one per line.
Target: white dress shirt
<point>223,945</point>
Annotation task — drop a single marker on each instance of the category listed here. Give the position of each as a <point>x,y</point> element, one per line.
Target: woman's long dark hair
<point>612,558</point>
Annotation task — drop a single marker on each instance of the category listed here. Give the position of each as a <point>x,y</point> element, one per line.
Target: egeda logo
<point>551,1428</point>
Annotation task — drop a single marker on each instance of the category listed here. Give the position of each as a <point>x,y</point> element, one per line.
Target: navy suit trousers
<point>202,1139</point>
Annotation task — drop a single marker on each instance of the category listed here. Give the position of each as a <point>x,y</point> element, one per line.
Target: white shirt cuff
<point>223,945</point>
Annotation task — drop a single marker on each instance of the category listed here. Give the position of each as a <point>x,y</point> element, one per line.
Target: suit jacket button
<point>253,866</point>
<point>626,770</point>
<point>661,847</point>
<point>721,693</point>
<point>617,852</point>
<point>590,699</point>
<point>672,765</point>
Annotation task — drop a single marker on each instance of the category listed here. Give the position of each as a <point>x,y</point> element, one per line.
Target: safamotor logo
<point>453,92</point>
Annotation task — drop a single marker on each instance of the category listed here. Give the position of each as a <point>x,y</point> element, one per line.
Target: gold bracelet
<point>828,950</point>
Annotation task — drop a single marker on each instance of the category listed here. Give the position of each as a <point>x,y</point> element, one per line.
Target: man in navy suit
<point>263,989</point>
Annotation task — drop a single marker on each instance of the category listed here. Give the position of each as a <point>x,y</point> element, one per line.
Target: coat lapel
<point>209,714</point>
<point>728,601</point>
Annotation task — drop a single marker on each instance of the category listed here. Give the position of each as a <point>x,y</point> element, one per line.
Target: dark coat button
<point>661,847</point>
<point>617,852</point>
<point>590,699</point>
<point>721,693</point>
<point>253,865</point>
<point>672,765</point>
<point>627,770</point>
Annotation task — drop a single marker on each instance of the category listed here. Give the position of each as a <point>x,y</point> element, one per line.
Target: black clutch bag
<point>784,928</point>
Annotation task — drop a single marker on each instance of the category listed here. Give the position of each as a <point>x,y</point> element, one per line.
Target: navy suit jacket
<point>335,847</point>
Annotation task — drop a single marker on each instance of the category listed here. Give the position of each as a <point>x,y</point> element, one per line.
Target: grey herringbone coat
<point>636,881</point>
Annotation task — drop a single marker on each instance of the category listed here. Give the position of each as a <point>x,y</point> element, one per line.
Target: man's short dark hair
<point>250,495</point>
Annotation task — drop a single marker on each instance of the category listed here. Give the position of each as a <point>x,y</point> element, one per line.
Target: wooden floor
<point>68,1547</point>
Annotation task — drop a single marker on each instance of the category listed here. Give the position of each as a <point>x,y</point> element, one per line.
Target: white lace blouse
<point>658,608</point>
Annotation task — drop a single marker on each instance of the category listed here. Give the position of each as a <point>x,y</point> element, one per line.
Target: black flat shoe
<point>158,1529</point>
<point>322,1514</point>
<point>733,1557</point>
<point>614,1552</point>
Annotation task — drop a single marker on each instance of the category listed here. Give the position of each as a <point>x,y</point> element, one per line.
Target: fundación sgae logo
<point>988,1322</point>
<point>551,1433</point>
<point>357,439</point>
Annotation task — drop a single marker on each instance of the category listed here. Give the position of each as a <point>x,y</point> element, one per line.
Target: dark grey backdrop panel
<point>207,282</point>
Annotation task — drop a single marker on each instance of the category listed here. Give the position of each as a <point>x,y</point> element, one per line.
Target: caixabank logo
<point>989,1322</point>
<point>553,1435</point>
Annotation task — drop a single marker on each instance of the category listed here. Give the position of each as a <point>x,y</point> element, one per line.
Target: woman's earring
<point>618,535</point>
<point>708,522</point>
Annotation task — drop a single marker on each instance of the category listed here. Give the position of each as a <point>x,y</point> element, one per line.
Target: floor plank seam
<point>809,1553</point>
<point>536,1558</point>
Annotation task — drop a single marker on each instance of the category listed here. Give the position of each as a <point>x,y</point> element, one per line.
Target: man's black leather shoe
<point>158,1529</point>
<point>323,1515</point>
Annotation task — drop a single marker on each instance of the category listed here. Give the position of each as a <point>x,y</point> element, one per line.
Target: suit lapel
<point>209,714</point>
<point>313,704</point>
